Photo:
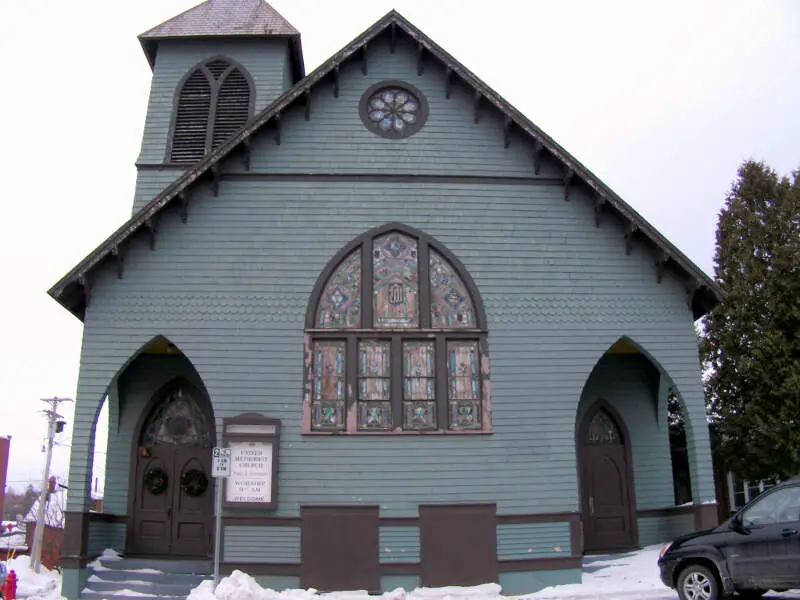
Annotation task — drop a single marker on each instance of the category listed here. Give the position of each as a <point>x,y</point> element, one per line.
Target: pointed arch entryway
<point>605,467</point>
<point>170,490</point>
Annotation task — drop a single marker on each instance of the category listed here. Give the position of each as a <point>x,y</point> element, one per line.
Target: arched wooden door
<point>606,476</point>
<point>172,508</point>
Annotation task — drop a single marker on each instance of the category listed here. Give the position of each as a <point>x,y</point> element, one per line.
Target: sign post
<point>220,469</point>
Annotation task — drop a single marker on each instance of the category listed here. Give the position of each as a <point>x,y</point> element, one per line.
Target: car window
<point>780,506</point>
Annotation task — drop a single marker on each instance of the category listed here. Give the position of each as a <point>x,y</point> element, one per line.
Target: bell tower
<point>214,67</point>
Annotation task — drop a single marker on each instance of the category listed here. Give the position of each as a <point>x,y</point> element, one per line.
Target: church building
<point>437,348</point>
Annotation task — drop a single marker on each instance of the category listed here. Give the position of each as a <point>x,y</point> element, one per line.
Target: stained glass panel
<point>420,415</point>
<point>451,306</point>
<point>419,383</point>
<point>463,385</point>
<point>177,421</point>
<point>603,430</point>
<point>340,302</point>
<point>328,404</point>
<point>374,370</point>
<point>375,415</point>
<point>396,281</point>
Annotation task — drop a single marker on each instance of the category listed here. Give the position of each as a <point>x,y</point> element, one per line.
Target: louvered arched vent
<point>191,120</point>
<point>233,106</point>
<point>213,102</point>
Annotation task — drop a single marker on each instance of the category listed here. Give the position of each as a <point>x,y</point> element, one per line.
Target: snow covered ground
<point>632,576</point>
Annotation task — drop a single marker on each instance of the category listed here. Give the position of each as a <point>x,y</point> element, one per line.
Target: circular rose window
<point>393,109</point>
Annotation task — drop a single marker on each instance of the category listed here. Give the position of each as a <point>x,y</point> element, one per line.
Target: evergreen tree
<point>751,343</point>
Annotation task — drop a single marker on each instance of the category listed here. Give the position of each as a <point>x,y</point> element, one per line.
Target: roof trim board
<point>703,293</point>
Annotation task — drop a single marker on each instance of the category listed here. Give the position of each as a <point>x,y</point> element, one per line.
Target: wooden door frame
<point>159,396</point>
<point>582,431</point>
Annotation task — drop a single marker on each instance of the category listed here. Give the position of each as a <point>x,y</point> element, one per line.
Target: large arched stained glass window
<point>398,339</point>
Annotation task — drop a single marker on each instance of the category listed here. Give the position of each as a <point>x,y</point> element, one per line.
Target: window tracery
<point>398,340</point>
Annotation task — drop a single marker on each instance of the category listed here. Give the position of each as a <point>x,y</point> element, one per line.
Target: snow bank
<point>240,586</point>
<point>45,585</point>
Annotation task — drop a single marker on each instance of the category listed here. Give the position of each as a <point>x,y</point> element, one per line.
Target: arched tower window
<point>214,100</point>
<point>397,340</point>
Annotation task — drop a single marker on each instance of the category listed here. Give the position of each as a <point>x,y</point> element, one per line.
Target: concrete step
<point>191,567</point>
<point>114,575</point>
<point>145,578</point>
<point>159,589</point>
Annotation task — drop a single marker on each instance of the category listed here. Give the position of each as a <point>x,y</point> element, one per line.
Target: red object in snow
<point>9,587</point>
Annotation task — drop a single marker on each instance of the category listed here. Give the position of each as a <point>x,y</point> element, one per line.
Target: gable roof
<point>223,18</point>
<point>703,293</point>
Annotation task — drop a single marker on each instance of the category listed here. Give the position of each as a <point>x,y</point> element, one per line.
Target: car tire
<point>697,582</point>
<point>751,594</point>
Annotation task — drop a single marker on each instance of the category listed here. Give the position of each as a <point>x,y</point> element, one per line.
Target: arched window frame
<point>351,337</point>
<point>215,85</point>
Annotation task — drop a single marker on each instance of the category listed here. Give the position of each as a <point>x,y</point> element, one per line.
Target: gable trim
<point>703,293</point>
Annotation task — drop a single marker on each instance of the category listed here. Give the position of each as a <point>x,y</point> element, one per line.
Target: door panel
<point>151,525</point>
<point>606,496</point>
<point>458,544</point>
<point>340,548</point>
<point>192,516</point>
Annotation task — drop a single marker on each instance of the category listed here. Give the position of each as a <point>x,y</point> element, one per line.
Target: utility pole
<point>54,421</point>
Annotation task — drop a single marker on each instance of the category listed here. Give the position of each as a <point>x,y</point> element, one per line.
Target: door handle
<point>169,513</point>
<point>788,532</point>
<point>591,505</point>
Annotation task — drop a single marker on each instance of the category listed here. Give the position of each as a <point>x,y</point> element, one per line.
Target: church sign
<point>253,441</point>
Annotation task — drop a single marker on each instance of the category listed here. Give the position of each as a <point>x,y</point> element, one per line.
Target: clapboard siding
<point>140,381</point>
<point>533,540</point>
<point>230,289</point>
<point>655,530</point>
<point>399,544</point>
<point>247,544</point>
<point>267,62</point>
<point>335,139</point>
<point>104,535</point>
<point>150,182</point>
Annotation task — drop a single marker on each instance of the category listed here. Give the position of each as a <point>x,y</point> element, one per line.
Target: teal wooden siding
<point>533,540</point>
<point>104,535</point>
<point>278,582</point>
<point>143,378</point>
<point>336,141</point>
<point>657,530</point>
<point>230,289</point>
<point>246,544</point>
<point>399,544</point>
<point>266,60</point>
<point>630,384</point>
<point>406,582</point>
<point>528,582</point>
<point>150,182</point>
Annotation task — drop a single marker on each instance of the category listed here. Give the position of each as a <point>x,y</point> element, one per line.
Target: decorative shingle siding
<point>230,289</point>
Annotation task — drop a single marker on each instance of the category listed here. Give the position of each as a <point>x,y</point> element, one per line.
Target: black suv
<point>756,550</point>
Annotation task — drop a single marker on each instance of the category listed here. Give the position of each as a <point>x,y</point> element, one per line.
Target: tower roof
<point>220,18</point>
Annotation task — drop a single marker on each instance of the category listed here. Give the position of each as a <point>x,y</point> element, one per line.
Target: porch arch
<point>103,366</point>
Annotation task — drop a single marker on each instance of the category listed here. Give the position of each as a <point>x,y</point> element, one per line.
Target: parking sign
<point>221,463</point>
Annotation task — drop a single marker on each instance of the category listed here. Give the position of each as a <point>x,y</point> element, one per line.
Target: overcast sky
<point>662,100</point>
